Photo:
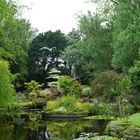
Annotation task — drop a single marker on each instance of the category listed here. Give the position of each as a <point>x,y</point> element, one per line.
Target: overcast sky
<point>55,14</point>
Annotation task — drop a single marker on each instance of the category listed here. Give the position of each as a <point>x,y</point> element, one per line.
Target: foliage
<point>23,103</point>
<point>125,126</point>
<point>126,33</point>
<point>45,93</point>
<point>105,85</point>
<point>105,8</point>
<point>66,102</point>
<point>86,92</point>
<point>99,138</point>
<point>68,105</point>
<point>72,52</point>
<point>100,117</point>
<point>44,54</point>
<point>69,86</point>
<point>92,52</point>
<point>135,119</point>
<point>124,85</point>
<point>134,72</point>
<point>113,109</point>
<point>6,88</point>
<point>15,35</point>
<point>33,86</point>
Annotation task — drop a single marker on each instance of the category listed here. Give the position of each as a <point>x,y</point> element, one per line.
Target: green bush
<point>134,72</point>
<point>69,86</point>
<point>52,105</point>
<point>6,89</point>
<point>65,101</point>
<point>105,85</point>
<point>86,92</point>
<point>113,109</point>
<point>33,86</point>
<point>68,104</point>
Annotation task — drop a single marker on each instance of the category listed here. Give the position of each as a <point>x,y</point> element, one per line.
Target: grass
<point>134,120</point>
<point>100,117</point>
<point>129,126</point>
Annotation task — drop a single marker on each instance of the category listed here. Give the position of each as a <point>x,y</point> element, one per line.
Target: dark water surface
<point>49,130</point>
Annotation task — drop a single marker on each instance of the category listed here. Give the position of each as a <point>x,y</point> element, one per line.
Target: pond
<point>50,130</point>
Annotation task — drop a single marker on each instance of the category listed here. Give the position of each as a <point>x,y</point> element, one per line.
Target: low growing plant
<point>69,86</point>
<point>86,92</point>
<point>70,105</point>
<point>33,86</point>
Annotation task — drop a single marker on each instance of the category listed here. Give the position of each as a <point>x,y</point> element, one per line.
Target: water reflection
<point>49,130</point>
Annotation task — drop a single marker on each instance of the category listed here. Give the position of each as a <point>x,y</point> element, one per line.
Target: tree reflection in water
<point>43,134</point>
<point>49,130</point>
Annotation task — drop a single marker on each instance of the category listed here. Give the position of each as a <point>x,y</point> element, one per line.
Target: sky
<point>55,14</point>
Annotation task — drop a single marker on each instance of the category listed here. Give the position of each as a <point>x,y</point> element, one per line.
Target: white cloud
<point>55,14</point>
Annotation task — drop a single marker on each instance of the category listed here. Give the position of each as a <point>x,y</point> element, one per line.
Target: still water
<point>49,130</point>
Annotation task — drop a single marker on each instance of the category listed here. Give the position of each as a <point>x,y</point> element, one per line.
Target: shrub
<point>86,91</point>
<point>105,85</point>
<point>33,86</point>
<point>67,101</point>
<point>6,88</point>
<point>113,109</point>
<point>32,95</point>
<point>45,93</point>
<point>68,104</point>
<point>69,86</point>
<point>51,105</point>
<point>124,86</point>
<point>134,72</point>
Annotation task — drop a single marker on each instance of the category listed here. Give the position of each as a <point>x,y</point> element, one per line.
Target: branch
<point>114,2</point>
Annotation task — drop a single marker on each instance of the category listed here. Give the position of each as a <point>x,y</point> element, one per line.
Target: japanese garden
<point>83,85</point>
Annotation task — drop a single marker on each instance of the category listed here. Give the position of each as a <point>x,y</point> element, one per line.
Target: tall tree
<point>44,54</point>
<point>126,33</point>
<point>15,36</point>
<point>92,53</point>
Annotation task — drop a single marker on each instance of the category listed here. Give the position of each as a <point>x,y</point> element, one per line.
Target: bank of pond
<point>38,121</point>
<point>50,115</point>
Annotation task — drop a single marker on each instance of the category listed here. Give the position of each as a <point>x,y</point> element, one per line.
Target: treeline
<point>104,51</point>
<point>108,39</point>
<point>105,43</point>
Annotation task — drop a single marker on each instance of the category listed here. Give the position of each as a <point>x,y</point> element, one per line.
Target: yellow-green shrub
<point>70,104</point>
<point>51,105</point>
<point>6,88</point>
<point>69,86</point>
